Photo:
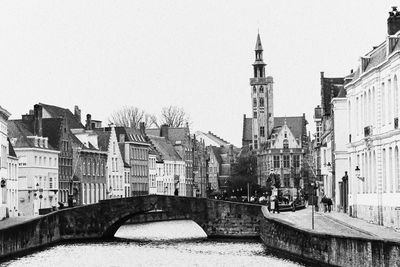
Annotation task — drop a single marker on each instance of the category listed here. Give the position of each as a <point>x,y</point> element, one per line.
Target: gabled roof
<point>247,129</point>
<point>131,134</point>
<point>11,151</point>
<point>56,112</point>
<point>174,134</point>
<point>20,129</point>
<point>217,152</point>
<point>295,125</point>
<point>165,148</point>
<point>103,139</point>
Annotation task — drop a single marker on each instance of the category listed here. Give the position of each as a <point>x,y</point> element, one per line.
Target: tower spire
<point>258,43</point>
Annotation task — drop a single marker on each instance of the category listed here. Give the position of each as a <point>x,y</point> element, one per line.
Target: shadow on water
<point>173,243</point>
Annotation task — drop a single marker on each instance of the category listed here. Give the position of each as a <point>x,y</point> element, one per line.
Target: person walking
<point>329,203</point>
<point>324,201</point>
<point>277,204</point>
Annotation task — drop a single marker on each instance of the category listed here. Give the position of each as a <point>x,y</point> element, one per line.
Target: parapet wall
<point>29,235</point>
<point>230,219</point>
<point>329,249</point>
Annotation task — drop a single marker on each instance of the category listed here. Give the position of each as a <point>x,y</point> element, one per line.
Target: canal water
<point>173,243</point>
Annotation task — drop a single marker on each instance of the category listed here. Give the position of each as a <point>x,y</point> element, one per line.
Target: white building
<point>107,141</point>
<point>152,171</point>
<point>38,169</point>
<point>170,168</point>
<point>339,162</point>
<point>8,171</point>
<point>12,182</point>
<point>374,135</point>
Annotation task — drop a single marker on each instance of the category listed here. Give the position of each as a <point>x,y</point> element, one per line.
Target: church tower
<point>261,100</point>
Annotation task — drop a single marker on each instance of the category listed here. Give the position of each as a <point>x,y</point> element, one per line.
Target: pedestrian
<point>329,203</point>
<point>277,204</point>
<point>324,202</point>
<point>176,192</point>
<point>272,205</point>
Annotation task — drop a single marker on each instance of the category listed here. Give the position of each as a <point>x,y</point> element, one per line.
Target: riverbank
<point>336,240</point>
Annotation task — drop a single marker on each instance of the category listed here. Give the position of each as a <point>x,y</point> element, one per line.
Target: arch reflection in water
<point>150,248</point>
<point>167,230</point>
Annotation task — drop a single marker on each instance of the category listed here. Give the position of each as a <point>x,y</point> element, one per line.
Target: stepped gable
<point>217,138</point>
<point>295,125</point>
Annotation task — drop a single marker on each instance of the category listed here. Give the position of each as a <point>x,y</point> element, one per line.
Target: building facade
<point>373,132</point>
<point>38,168</point>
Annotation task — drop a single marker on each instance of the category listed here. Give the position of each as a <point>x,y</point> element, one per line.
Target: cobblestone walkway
<point>337,223</point>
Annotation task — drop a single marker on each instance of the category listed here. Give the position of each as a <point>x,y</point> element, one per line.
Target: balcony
<point>258,81</point>
<point>367,131</point>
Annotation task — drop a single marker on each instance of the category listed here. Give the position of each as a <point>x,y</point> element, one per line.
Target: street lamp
<point>313,186</point>
<point>358,174</point>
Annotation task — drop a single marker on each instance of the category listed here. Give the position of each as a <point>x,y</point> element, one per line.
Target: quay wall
<point>331,250</point>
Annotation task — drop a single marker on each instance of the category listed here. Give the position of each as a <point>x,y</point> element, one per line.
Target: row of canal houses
<point>356,147</point>
<point>49,159</point>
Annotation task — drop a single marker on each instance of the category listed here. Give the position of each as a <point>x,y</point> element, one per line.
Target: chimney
<point>88,122</point>
<point>164,131</point>
<point>142,129</point>
<point>77,113</point>
<point>393,21</point>
<point>37,115</point>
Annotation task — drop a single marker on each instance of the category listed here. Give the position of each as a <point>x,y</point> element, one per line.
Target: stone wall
<point>329,249</point>
<point>232,219</point>
<point>29,235</point>
<point>102,220</point>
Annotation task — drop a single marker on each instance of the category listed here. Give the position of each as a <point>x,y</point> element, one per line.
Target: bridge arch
<point>215,217</point>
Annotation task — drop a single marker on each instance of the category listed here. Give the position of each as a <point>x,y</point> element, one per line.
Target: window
<point>296,161</point>
<point>261,101</point>
<point>285,144</point>
<point>254,90</point>
<point>286,180</point>
<point>276,162</point>
<point>261,89</point>
<point>286,161</point>
<point>255,114</point>
<point>255,102</point>
<point>262,131</point>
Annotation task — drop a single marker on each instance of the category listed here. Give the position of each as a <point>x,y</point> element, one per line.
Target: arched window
<point>255,102</point>
<point>261,101</point>
<point>261,89</point>
<point>254,90</point>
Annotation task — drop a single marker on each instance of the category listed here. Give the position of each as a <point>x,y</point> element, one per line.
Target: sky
<point>103,55</point>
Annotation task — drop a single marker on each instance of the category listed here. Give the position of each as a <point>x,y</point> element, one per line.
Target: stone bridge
<point>102,220</point>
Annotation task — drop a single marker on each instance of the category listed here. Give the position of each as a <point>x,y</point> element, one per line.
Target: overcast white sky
<point>102,55</point>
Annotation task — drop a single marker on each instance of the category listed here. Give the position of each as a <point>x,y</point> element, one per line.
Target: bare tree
<point>150,121</point>
<point>132,117</point>
<point>174,116</point>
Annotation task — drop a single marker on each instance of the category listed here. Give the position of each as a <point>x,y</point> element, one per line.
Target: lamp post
<point>358,174</point>
<point>313,186</point>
